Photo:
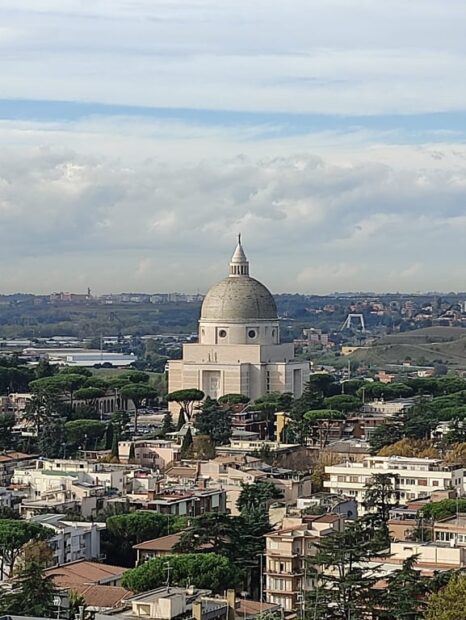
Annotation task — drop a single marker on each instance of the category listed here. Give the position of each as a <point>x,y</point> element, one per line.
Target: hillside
<point>423,347</point>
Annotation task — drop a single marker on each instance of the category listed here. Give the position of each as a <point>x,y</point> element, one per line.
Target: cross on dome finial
<point>239,265</point>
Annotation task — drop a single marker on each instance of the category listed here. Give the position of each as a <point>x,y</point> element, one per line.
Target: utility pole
<point>168,569</point>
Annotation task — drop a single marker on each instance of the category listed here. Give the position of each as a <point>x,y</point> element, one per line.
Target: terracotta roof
<point>106,597</point>
<point>164,543</point>
<point>15,456</point>
<point>327,518</point>
<point>83,572</point>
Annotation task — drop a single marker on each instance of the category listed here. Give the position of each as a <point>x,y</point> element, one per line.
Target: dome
<point>238,299</point>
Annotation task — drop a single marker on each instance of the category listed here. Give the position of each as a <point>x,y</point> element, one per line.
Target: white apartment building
<point>72,540</point>
<point>63,487</point>
<point>412,477</point>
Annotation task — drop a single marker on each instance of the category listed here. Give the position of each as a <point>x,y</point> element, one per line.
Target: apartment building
<point>412,477</point>
<point>451,530</point>
<point>389,407</point>
<point>62,488</point>
<point>287,551</point>
<point>156,453</point>
<point>9,461</point>
<point>72,540</point>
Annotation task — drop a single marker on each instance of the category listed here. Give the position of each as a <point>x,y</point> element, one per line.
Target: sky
<point>138,137</point>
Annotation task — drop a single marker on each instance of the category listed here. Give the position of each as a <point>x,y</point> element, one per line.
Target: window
<point>252,333</point>
<point>222,333</point>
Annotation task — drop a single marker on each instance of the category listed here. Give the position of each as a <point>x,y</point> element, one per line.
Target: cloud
<point>319,150</point>
<point>348,57</point>
<point>309,224</point>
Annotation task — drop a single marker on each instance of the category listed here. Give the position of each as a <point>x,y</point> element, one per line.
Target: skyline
<point>139,139</point>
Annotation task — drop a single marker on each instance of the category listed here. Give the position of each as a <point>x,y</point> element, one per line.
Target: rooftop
<point>83,572</point>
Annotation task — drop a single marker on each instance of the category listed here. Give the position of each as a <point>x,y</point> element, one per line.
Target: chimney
<point>197,610</point>
<point>231,602</point>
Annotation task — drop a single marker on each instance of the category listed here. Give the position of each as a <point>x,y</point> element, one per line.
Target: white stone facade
<point>412,477</point>
<point>239,349</point>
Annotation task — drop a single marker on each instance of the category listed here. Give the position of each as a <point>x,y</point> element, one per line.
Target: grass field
<point>423,347</point>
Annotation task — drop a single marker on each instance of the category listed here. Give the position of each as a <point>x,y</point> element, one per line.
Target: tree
<point>214,421</point>
<point>319,424</point>
<point>381,494</point>
<point>32,594</point>
<point>7,422</point>
<point>167,424</point>
<point>257,495</point>
<point>343,580</point>
<point>67,383</point>
<point>450,602</point>
<point>44,369</point>
<point>43,407</point>
<point>384,435</point>
<point>115,447</point>
<point>203,447</point>
<point>208,570</point>
<point>109,433</point>
<point>14,534</point>
<point>81,432</point>
<point>76,370</point>
<point>126,530</point>
<point>35,550</point>
<point>410,448</point>
<point>186,400</point>
<point>402,597</point>
<point>137,392</point>
<point>435,511</point>
<point>187,444</point>
<point>51,441</point>
<point>233,399</point>
<point>212,531</point>
<point>90,393</point>
<point>343,402</point>
<point>120,421</point>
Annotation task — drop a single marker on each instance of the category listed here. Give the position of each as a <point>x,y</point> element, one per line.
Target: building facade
<point>412,477</point>
<point>239,349</point>
<point>286,554</point>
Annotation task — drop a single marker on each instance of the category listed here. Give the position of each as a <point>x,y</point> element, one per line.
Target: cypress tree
<point>187,445</point>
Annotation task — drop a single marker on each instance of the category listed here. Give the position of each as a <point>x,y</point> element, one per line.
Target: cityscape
<point>232,310</point>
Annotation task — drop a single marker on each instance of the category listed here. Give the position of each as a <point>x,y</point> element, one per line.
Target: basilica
<point>239,349</point>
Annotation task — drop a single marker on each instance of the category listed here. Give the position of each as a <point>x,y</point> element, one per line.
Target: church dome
<point>239,298</point>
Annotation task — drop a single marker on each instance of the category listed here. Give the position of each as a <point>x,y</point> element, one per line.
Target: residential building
<point>187,501</point>
<point>9,461</point>
<point>67,486</point>
<point>176,602</point>
<point>451,530</point>
<point>72,540</point>
<point>83,572</point>
<point>412,477</point>
<point>434,555</point>
<point>149,549</point>
<point>389,407</point>
<point>154,453</point>
<point>337,504</point>
<point>286,554</point>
